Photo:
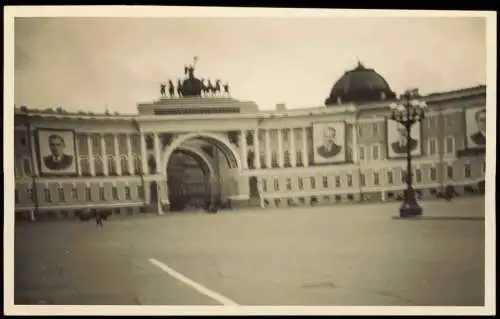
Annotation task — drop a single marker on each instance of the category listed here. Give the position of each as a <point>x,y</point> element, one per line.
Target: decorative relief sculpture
<point>233,137</point>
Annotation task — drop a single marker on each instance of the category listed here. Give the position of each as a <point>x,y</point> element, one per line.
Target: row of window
<point>376,153</point>
<point>50,197</point>
<point>362,179</point>
<point>108,141</point>
<point>112,167</point>
<point>373,130</point>
<point>98,165</point>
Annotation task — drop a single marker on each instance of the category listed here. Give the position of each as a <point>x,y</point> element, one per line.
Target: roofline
<point>430,98</point>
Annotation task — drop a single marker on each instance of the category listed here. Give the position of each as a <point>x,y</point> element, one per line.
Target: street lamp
<point>409,112</point>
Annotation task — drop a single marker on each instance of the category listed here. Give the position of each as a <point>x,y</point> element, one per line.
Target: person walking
<point>450,192</point>
<point>98,218</point>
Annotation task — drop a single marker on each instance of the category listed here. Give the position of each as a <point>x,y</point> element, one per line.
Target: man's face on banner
<point>56,144</point>
<point>329,136</point>
<point>481,120</point>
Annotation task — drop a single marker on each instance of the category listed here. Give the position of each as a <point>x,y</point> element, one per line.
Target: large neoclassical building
<point>194,144</point>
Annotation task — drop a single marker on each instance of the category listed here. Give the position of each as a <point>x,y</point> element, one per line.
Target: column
<point>256,146</point>
<point>293,152</point>
<point>305,152</point>
<point>159,205</point>
<point>243,149</point>
<point>117,155</point>
<point>354,143</point>
<point>91,155</point>
<point>103,154</point>
<point>268,148</point>
<point>280,147</point>
<point>157,152</point>
<point>130,159</point>
<point>34,160</point>
<point>382,196</point>
<point>77,156</point>
<point>143,154</point>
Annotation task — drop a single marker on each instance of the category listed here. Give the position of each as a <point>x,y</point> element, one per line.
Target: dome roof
<point>360,85</point>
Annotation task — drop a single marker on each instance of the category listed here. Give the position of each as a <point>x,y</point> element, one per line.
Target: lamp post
<point>407,113</point>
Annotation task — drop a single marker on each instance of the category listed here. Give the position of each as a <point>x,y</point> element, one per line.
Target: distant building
<point>181,152</point>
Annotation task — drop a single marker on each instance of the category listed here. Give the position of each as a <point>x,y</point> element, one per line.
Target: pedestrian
<point>449,192</point>
<point>98,218</point>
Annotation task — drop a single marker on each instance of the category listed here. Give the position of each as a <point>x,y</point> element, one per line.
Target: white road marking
<point>200,288</point>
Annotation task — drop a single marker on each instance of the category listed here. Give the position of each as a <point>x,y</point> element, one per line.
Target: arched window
<point>450,145</point>
<point>111,164</point>
<point>102,194</point>
<point>361,153</point>
<point>84,165</point>
<point>82,143</point>
<point>99,165</point>
<point>137,165</point>
<point>432,147</point>
<point>286,157</point>
<point>124,164</point>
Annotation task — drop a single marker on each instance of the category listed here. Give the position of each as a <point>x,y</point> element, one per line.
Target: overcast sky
<point>86,63</point>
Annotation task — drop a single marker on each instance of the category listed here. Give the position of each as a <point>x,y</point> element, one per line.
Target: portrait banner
<point>475,121</point>
<point>397,142</point>
<point>329,142</point>
<point>56,152</point>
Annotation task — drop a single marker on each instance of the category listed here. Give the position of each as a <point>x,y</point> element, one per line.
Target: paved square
<point>337,255</point>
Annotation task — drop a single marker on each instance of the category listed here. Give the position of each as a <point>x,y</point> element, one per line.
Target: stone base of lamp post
<point>410,207</point>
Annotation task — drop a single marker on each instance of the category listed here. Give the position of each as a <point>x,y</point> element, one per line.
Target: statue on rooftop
<point>226,88</point>
<point>171,88</point>
<point>179,88</point>
<point>163,90</point>
<point>191,86</point>
<point>217,87</point>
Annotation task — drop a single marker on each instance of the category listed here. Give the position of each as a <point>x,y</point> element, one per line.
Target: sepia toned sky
<point>87,63</point>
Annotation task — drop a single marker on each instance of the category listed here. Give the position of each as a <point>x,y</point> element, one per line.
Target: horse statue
<point>210,87</point>
<point>171,88</point>
<point>204,87</point>
<point>217,87</point>
<point>162,89</point>
<point>226,88</point>
<point>179,88</point>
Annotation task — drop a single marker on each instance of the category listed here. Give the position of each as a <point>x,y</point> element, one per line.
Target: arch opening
<point>221,144</point>
<point>198,172</point>
<point>188,180</point>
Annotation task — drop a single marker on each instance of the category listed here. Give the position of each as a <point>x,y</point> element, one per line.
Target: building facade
<point>183,150</point>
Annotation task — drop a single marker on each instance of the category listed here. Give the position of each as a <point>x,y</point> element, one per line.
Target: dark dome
<point>360,85</point>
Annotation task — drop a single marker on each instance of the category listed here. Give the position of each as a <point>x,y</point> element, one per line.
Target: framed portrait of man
<point>475,121</point>
<point>398,143</point>
<point>56,152</point>
<point>329,142</point>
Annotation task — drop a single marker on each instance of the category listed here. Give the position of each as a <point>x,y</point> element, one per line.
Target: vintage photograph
<point>222,160</point>
<point>56,151</point>
<point>398,140</point>
<point>329,142</point>
<point>476,127</point>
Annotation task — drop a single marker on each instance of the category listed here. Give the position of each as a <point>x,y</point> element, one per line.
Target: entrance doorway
<point>188,181</point>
